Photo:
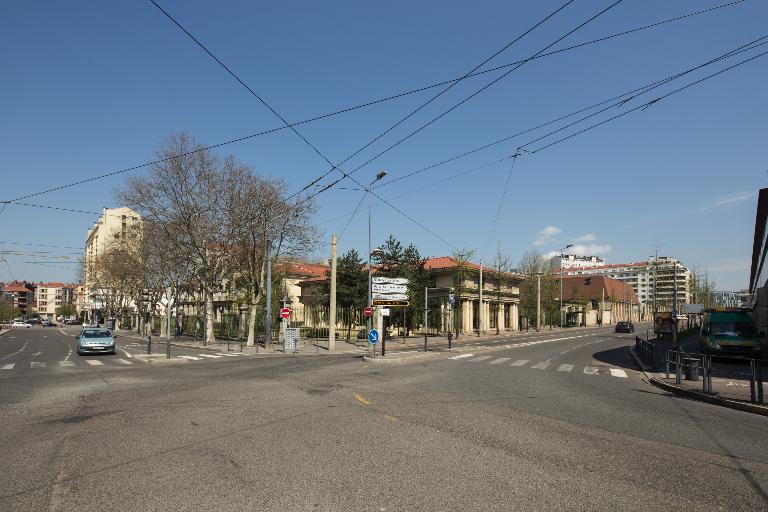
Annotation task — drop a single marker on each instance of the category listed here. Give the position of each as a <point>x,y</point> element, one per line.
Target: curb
<point>159,360</point>
<point>697,395</point>
<point>5,332</point>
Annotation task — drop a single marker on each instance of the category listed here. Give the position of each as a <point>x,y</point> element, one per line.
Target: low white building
<point>576,261</point>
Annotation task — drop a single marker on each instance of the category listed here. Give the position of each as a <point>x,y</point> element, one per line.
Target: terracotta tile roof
<point>54,285</point>
<point>307,269</point>
<point>447,262</point>
<point>575,287</point>
<point>17,286</point>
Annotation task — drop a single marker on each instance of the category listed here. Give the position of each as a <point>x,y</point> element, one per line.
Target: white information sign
<point>390,296</point>
<point>389,288</point>
<point>389,280</point>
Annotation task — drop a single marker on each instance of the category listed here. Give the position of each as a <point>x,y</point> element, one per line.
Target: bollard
<point>168,348</point>
<point>759,379</point>
<point>241,344</point>
<point>450,339</point>
<point>752,386</point>
<point>149,344</point>
<point>678,368</point>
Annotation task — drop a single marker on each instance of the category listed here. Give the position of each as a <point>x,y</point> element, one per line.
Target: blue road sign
<point>373,336</point>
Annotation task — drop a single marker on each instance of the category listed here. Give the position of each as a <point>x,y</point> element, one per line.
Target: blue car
<point>96,340</point>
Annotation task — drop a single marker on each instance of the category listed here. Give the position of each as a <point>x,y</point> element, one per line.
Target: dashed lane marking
<point>565,368</point>
<point>462,356</point>
<point>362,400</point>
<point>520,362</point>
<point>618,372</point>
<point>38,364</point>
<point>500,360</point>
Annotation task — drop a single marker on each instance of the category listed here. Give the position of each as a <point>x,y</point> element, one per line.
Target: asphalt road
<point>556,421</point>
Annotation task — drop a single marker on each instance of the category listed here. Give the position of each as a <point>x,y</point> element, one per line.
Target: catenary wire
<point>363,105</point>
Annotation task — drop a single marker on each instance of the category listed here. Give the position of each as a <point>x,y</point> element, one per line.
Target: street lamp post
<point>561,283</point>
<point>380,175</point>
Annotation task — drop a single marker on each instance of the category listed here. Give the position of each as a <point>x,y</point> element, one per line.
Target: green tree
<point>351,287</point>
<point>532,264</point>
<point>66,310</point>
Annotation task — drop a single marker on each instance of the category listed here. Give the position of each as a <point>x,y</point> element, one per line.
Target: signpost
<point>285,313</point>
<point>373,338</point>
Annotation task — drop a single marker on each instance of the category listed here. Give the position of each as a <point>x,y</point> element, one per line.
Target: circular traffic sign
<point>285,312</point>
<point>373,336</point>
<point>368,311</point>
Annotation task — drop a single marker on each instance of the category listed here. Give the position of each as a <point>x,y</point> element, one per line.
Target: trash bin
<point>691,367</point>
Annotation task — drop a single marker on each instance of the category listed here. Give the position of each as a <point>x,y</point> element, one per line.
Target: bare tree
<point>186,196</point>
<point>265,222</point>
<point>534,264</point>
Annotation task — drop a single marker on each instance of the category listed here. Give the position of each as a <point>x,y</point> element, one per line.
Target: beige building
<point>51,296</point>
<point>111,225</point>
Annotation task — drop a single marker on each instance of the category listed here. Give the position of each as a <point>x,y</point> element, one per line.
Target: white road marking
<point>94,362</point>
<point>14,353</point>
<point>123,361</point>
<point>9,366</point>
<point>565,368</point>
<point>478,359</point>
<point>233,355</point>
<point>38,364</point>
<point>66,363</point>
<point>520,362</point>
<point>500,360</point>
<point>127,354</point>
<point>618,372</point>
<point>591,370</point>
<point>543,365</point>
<point>209,355</point>
<point>37,353</point>
<point>462,356</point>
<point>193,358</point>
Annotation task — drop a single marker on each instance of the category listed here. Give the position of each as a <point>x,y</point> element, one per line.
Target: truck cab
<point>729,332</point>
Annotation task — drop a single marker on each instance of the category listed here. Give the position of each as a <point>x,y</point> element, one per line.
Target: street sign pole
<point>426,311</point>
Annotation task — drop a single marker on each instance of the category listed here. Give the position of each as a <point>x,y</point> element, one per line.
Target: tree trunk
<point>252,325</point>
<point>209,318</point>
<point>256,294</point>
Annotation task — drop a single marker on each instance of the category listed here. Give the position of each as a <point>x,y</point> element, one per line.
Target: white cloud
<point>734,198</point>
<point>547,234</point>
<point>587,237</point>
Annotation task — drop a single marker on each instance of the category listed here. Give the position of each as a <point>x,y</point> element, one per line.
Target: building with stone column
<point>499,308</point>
<point>600,300</point>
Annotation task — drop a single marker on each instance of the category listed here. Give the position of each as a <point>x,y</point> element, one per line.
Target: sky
<point>93,87</point>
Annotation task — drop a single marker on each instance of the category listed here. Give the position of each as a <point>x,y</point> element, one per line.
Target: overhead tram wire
<point>450,86</point>
<point>501,203</point>
<point>293,129</point>
<point>475,72</point>
<point>456,105</point>
<point>363,105</point>
<point>640,107</point>
<point>483,88</point>
<point>618,100</point>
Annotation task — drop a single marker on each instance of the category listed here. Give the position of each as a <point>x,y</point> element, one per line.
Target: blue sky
<point>93,87</point>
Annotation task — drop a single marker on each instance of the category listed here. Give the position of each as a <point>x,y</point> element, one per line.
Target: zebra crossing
<point>106,362</point>
<point>540,365</point>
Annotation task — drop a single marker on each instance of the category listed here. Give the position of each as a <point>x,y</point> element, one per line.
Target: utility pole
<point>332,313</point>
<point>602,303</point>
<point>426,311</point>
<point>655,279</point>
<point>370,297</point>
<point>268,307</point>
<point>674,307</point>
<point>538,302</point>
<point>480,305</point>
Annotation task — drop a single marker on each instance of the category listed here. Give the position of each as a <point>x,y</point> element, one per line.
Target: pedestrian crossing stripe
<point>9,366</point>
<point>38,364</point>
<point>618,372</point>
<point>520,362</point>
<point>543,365</point>
<point>591,370</point>
<point>66,363</point>
<point>565,368</point>
<point>478,359</point>
<point>500,360</point>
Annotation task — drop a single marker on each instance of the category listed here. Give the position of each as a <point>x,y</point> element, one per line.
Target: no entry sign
<point>285,312</point>
<point>368,311</point>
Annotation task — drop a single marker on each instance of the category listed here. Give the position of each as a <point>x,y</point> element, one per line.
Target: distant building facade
<point>113,224</point>
<point>50,296</point>
<point>575,261</point>
<point>655,281</point>
<point>21,294</point>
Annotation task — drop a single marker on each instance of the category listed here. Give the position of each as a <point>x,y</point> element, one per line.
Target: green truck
<point>729,332</point>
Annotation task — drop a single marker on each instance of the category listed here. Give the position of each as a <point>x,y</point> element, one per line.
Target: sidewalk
<point>731,389</point>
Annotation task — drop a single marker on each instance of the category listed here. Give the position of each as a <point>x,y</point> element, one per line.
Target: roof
<point>606,267</point>
<point>447,262</point>
<point>576,288</point>
<point>55,285</point>
<point>306,269</point>
<point>17,286</point>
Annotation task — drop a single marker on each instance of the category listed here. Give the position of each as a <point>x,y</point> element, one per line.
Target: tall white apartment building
<point>654,281</point>
<point>111,225</point>
<point>51,296</point>
<point>575,261</point>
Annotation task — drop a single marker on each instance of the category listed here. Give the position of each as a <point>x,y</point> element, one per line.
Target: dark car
<point>48,323</point>
<point>625,327</point>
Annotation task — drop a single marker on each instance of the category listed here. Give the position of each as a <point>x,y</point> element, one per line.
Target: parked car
<point>95,340</point>
<point>18,323</point>
<point>625,327</point>
<point>48,323</point>
<point>33,321</point>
